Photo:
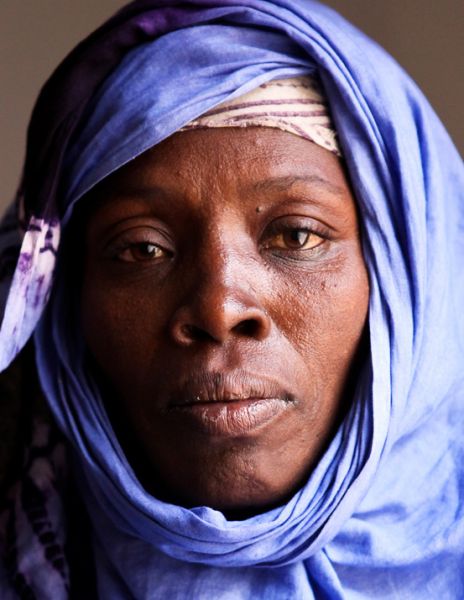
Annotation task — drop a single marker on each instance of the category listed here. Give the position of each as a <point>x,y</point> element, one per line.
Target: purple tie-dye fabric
<point>381,516</point>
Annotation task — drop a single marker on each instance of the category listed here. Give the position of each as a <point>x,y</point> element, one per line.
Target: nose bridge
<point>225,264</point>
<point>222,298</point>
<point>223,281</point>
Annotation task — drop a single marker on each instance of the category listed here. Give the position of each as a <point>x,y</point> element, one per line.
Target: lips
<point>228,405</point>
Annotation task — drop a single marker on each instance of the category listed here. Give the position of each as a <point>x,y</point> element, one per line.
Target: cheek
<point>325,315</point>
<point>120,324</point>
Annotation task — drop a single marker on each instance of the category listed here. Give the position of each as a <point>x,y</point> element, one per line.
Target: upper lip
<point>207,387</point>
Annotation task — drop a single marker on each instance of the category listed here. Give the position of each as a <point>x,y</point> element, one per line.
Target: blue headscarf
<point>381,516</point>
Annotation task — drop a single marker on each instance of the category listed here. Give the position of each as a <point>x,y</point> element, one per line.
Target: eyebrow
<point>279,184</point>
<point>283,183</point>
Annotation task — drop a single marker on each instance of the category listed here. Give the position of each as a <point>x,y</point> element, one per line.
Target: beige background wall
<point>426,36</point>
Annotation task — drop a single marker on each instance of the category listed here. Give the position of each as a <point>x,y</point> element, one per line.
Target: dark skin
<point>224,301</point>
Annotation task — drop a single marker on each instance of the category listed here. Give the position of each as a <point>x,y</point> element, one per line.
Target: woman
<point>253,340</point>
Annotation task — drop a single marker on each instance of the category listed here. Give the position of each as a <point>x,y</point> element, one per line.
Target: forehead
<point>242,154</point>
<point>210,165</point>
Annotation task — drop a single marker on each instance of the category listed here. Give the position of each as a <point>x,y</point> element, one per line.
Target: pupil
<point>298,237</point>
<point>145,250</point>
<point>148,249</point>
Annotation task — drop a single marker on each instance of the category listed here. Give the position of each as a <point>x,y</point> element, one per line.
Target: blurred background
<point>425,36</point>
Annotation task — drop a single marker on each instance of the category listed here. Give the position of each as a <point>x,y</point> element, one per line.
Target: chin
<point>237,482</point>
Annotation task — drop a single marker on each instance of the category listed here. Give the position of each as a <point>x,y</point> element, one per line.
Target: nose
<point>220,304</point>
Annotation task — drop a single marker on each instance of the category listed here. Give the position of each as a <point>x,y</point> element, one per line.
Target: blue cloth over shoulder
<point>381,516</point>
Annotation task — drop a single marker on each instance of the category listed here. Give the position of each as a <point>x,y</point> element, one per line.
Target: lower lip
<point>233,418</point>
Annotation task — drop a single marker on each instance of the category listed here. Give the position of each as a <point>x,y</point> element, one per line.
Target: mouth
<point>229,405</point>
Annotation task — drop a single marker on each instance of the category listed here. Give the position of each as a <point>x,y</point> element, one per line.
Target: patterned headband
<point>295,105</point>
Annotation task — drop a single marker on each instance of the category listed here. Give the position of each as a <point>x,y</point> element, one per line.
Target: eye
<point>139,244</point>
<point>143,251</point>
<point>294,239</point>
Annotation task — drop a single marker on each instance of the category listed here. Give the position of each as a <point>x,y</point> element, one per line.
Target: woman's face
<point>224,300</point>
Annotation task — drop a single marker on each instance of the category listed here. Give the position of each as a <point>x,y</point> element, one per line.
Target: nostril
<point>247,327</point>
<point>193,333</point>
<point>189,327</point>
